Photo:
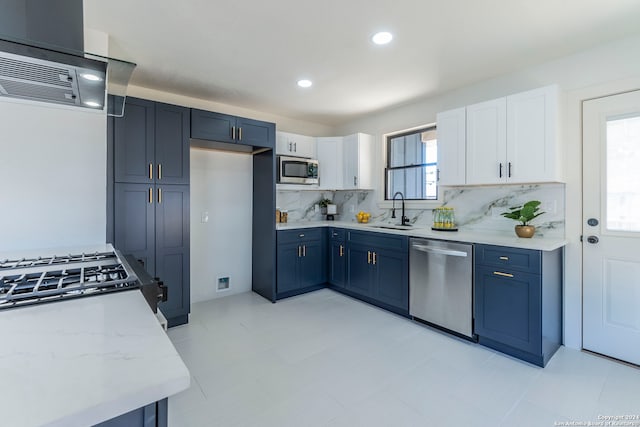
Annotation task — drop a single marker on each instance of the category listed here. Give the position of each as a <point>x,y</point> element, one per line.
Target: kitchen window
<point>412,165</point>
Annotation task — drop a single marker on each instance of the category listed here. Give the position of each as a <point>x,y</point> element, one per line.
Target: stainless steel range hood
<point>42,56</point>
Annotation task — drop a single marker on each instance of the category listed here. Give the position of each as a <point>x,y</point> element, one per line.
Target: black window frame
<point>388,168</point>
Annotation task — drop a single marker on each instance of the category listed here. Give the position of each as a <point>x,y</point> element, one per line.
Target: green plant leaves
<point>524,213</point>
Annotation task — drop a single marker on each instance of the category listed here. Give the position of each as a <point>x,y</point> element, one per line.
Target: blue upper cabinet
<point>134,142</point>
<point>213,126</point>
<point>172,144</point>
<point>217,127</point>
<point>256,133</point>
<point>151,143</point>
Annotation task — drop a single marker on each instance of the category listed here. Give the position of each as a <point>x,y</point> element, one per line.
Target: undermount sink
<point>394,226</point>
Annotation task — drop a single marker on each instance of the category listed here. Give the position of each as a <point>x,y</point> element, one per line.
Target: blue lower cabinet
<point>337,269</point>
<point>518,301</point>
<point>378,269</point>
<point>301,261</point>
<point>152,415</point>
<point>359,270</point>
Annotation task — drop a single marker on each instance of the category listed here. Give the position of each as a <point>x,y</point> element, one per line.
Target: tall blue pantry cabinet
<point>148,195</point>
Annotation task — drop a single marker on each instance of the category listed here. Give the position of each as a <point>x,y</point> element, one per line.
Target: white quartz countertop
<point>84,361</point>
<point>511,240</point>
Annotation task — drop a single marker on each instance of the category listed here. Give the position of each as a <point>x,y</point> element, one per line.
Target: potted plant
<point>323,205</point>
<point>524,214</point>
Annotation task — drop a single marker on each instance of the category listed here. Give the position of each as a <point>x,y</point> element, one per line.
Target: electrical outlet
<point>352,209</point>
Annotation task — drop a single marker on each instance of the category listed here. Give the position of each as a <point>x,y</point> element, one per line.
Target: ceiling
<point>251,53</point>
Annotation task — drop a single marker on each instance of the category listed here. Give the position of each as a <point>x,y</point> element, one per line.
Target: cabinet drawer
<point>336,233</point>
<point>525,260</point>
<point>299,235</point>
<point>379,240</point>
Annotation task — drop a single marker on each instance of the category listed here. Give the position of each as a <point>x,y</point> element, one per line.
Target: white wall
<point>53,176</point>
<point>603,70</point>
<point>222,186</point>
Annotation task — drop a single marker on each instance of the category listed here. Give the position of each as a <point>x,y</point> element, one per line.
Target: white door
<point>611,226</point>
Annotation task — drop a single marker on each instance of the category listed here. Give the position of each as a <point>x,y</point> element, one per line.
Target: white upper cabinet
<point>345,162</point>
<point>487,142</point>
<point>532,143</point>
<point>358,162</point>
<point>291,144</point>
<point>452,140</point>
<point>330,162</point>
<point>514,139</point>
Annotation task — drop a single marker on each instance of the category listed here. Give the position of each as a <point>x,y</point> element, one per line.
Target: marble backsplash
<point>476,208</point>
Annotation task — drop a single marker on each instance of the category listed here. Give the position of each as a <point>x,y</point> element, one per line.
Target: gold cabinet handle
<point>159,195</point>
<point>368,257</point>
<point>504,258</point>
<point>239,134</point>
<point>498,273</point>
<point>150,170</point>
<point>341,250</point>
<point>233,132</point>
<point>150,195</point>
<point>159,170</point>
<point>375,258</point>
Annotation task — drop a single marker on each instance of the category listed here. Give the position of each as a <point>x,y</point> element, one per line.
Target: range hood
<point>42,56</point>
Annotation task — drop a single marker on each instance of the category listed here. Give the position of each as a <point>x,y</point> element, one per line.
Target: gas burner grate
<point>30,281</point>
<point>7,264</point>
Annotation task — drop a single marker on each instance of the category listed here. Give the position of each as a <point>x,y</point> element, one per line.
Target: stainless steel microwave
<point>297,170</point>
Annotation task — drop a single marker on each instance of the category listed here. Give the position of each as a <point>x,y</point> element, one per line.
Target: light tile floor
<point>323,359</point>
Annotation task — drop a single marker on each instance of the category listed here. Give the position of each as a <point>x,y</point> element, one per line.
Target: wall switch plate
<point>204,217</point>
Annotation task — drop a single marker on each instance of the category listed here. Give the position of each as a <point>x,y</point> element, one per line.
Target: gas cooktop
<point>32,280</point>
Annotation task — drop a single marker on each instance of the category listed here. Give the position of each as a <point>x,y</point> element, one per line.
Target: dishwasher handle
<point>450,252</point>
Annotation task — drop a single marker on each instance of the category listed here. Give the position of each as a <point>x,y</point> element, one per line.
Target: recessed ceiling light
<point>93,104</point>
<point>91,77</point>
<point>382,37</point>
<point>305,83</point>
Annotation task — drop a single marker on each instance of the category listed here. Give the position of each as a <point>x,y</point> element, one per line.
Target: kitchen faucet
<point>404,220</point>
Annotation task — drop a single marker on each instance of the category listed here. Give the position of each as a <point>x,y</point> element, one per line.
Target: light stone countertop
<point>499,239</point>
<point>83,361</point>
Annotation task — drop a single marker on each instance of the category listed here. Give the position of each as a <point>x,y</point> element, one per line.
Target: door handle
<point>593,239</point>
<point>368,257</point>
<point>423,248</point>
<point>233,132</point>
<point>295,147</point>
<point>299,251</point>
<point>150,195</point>
<point>509,170</point>
<point>159,195</point>
<point>151,171</point>
<point>304,250</point>
<point>375,258</point>
<point>500,170</point>
<point>499,273</point>
<point>355,180</point>
<point>159,171</point>
<point>341,252</point>
<point>239,134</point>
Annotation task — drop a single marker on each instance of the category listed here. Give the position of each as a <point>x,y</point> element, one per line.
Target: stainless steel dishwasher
<point>441,284</point>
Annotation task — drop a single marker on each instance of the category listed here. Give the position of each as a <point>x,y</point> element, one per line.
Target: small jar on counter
<point>277,215</point>
<point>284,216</point>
